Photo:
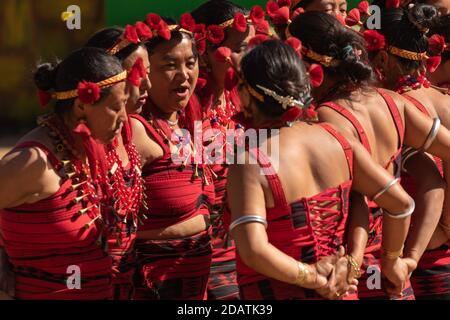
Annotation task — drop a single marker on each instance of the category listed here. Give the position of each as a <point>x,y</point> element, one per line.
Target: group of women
<point>109,184</point>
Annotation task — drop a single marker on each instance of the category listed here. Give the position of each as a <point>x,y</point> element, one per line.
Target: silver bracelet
<point>406,154</point>
<point>402,215</point>
<point>248,219</point>
<point>388,186</point>
<point>432,135</point>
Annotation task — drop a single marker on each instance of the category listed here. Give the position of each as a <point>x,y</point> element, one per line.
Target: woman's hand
<point>395,273</point>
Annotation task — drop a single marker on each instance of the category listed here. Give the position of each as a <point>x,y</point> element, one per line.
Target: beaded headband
<point>65,95</point>
<point>324,60</point>
<point>410,55</point>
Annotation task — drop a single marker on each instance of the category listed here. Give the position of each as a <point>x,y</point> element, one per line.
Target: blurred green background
<point>32,31</point>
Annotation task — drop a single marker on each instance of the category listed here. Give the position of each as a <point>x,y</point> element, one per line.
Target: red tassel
<point>187,22</point>
<point>374,40</point>
<point>131,34</point>
<point>257,14</point>
<point>231,79</point>
<point>281,16</point>
<point>44,97</point>
<point>271,8</point>
<point>433,63</point>
<point>240,22</point>
<point>436,44</point>
<point>296,44</point>
<point>363,7</point>
<point>153,20</point>
<point>257,40</point>
<point>215,34</point>
<point>316,75</point>
<point>284,3</point>
<point>311,113</point>
<point>353,18</point>
<point>143,31</point>
<point>222,54</point>
<point>262,27</point>
<point>297,12</point>
<point>200,38</point>
<point>341,19</point>
<point>163,30</point>
<point>292,114</point>
<point>201,83</point>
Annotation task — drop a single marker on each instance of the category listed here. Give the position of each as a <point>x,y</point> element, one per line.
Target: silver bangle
<point>432,135</point>
<point>248,219</point>
<point>402,215</point>
<point>388,186</point>
<point>406,154</point>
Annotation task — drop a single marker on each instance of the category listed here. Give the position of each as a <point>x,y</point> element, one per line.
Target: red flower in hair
<point>200,38</point>
<point>363,7</point>
<point>316,75</point>
<point>353,18</point>
<point>284,3</point>
<point>163,30</point>
<point>341,19</point>
<point>88,92</point>
<point>296,44</point>
<point>261,27</point>
<point>153,20</point>
<point>131,34</point>
<point>231,79</point>
<point>257,40</point>
<point>436,44</point>
<point>298,12</point>
<point>391,4</point>
<point>143,31</point>
<point>374,40</point>
<point>44,97</point>
<point>292,114</point>
<point>433,63</point>
<point>240,22</point>
<point>257,14</point>
<point>281,16</point>
<point>271,8</point>
<point>215,34</point>
<point>187,22</point>
<point>222,54</point>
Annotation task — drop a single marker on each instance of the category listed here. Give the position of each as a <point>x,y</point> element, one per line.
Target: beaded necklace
<point>125,190</point>
<point>409,82</point>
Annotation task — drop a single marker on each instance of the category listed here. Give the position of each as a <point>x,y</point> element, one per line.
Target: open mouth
<point>182,91</point>
<point>143,99</point>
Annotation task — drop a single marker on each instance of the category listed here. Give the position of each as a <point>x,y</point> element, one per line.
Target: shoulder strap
<point>153,132</point>
<point>353,120</point>
<point>275,185</point>
<point>345,146</point>
<point>34,144</point>
<point>397,120</point>
<point>418,105</point>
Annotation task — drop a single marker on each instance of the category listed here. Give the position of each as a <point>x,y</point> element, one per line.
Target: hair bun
<point>422,16</point>
<point>44,77</point>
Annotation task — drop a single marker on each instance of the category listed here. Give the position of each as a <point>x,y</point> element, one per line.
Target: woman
<point>123,156</point>
<point>303,203</point>
<point>173,246</point>
<point>220,103</point>
<point>344,99</point>
<point>51,221</point>
<point>408,77</point>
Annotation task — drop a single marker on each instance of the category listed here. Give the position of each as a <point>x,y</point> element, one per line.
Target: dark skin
<point>332,7</point>
<point>303,171</point>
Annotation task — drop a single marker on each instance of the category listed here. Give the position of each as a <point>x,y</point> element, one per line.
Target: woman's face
<point>174,74</point>
<point>137,95</point>
<point>333,7</point>
<point>238,43</point>
<point>105,119</point>
<point>442,5</point>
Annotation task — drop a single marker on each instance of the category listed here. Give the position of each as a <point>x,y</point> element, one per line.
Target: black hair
<point>324,34</point>
<point>442,27</point>
<point>302,4</point>
<point>405,28</point>
<point>275,66</point>
<point>88,64</point>
<point>106,38</point>
<point>175,35</point>
<point>216,12</point>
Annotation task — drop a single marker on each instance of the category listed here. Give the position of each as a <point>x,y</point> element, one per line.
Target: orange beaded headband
<point>410,55</point>
<point>327,61</point>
